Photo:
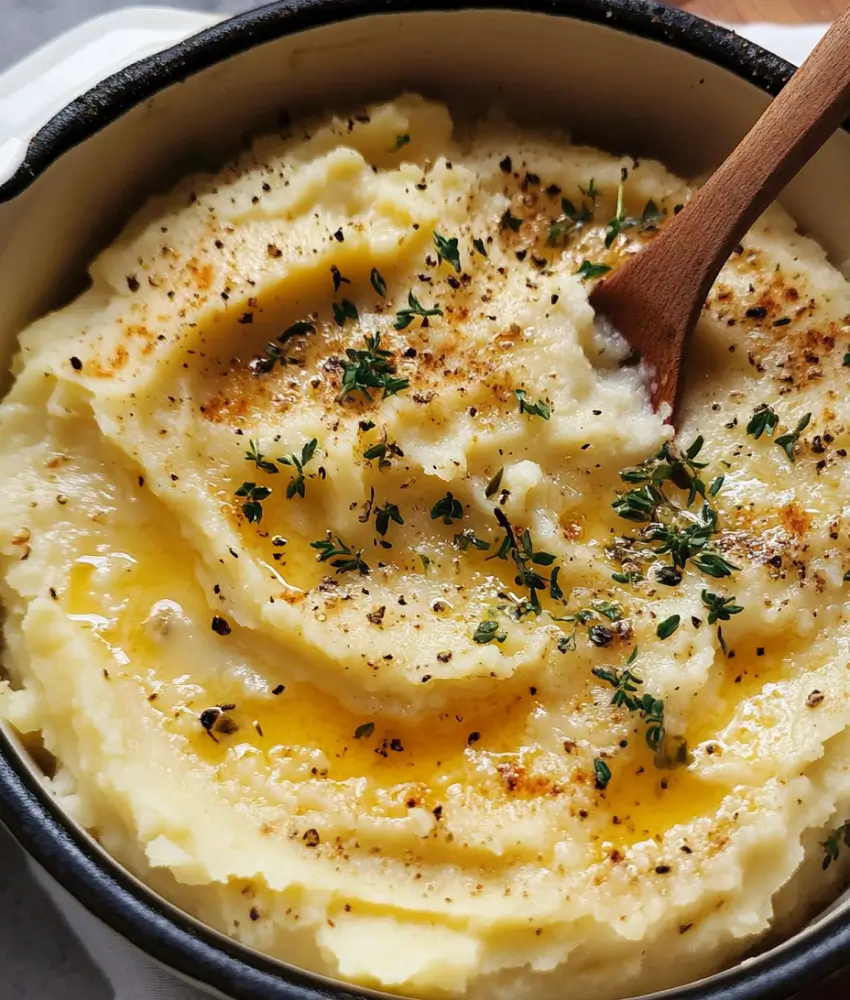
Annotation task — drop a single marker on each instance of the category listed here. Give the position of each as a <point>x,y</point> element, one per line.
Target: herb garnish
<point>592,191</point>
<point>720,608</point>
<point>447,250</point>
<point>487,631</point>
<point>619,222</point>
<point>253,496</point>
<point>273,354</point>
<point>370,369</point>
<point>788,441</point>
<point>344,310</point>
<point>383,516</point>
<point>832,844</point>
<point>509,221</point>
<point>602,773</point>
<point>625,684</point>
<point>364,731</point>
<point>253,454</point>
<point>682,534</point>
<point>763,421</point>
<point>296,484</point>
<point>449,509</point>
<point>570,218</point>
<point>467,538</point>
<point>539,409</point>
<point>381,450</point>
<point>478,243</point>
<point>344,558</point>
<point>590,270</point>
<point>404,317</point>
<point>338,279</point>
<point>668,626</point>
<point>494,484</point>
<point>378,282</point>
<point>525,558</point>
<point>400,140</point>
<point>716,485</point>
<point>299,328</point>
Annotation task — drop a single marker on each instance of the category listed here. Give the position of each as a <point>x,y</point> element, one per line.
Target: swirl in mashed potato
<point>373,616</point>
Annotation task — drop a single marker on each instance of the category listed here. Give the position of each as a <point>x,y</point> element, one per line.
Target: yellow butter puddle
<point>482,745</point>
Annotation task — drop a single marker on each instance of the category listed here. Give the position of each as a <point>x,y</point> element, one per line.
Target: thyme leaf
<point>488,631</point>
<point>253,454</point>
<point>447,250</point>
<point>404,317</point>
<point>539,409</point>
<point>449,509</point>
<point>588,270</point>
<point>297,483</point>
<point>370,369</point>
<point>342,557</point>
<point>253,496</point>
<point>788,441</point>
<point>763,421</point>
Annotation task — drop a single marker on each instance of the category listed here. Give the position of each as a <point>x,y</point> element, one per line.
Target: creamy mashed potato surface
<point>369,611</point>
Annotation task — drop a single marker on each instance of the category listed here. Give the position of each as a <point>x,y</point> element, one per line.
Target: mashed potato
<point>373,616</point>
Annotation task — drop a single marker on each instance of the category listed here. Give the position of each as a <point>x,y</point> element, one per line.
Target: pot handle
<point>33,90</point>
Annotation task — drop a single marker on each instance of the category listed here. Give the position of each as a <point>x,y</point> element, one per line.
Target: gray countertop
<point>26,24</point>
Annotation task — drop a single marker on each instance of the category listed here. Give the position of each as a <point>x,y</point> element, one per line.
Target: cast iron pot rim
<point>32,815</point>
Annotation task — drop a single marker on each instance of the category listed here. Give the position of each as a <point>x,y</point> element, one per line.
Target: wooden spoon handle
<point>802,118</point>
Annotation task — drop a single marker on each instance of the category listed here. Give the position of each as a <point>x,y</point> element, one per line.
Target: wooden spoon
<point>655,299</point>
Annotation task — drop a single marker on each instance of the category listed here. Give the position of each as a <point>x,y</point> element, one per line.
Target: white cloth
<point>132,974</point>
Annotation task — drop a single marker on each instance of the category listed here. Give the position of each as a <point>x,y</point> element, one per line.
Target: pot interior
<point>607,87</point>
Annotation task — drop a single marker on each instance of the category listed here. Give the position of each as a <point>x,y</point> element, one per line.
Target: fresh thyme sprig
<point>404,317</point>
<point>626,684</point>
<point>720,608</point>
<point>273,355</point>
<point>343,558</point>
<point>467,538</point>
<point>591,191</point>
<point>253,454</point>
<point>447,250</point>
<point>297,483</point>
<point>620,220</point>
<point>832,844</point>
<point>682,534</point>
<point>539,409</point>
<point>788,442</point>
<point>253,495</point>
<point>570,219</point>
<point>449,508</point>
<point>763,421</point>
<point>370,369</point>
<point>526,559</point>
<point>588,269</point>
<point>383,516</point>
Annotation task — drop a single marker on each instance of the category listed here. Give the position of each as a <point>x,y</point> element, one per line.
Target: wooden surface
<point>789,11</point>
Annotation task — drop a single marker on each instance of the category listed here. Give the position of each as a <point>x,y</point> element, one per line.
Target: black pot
<point>635,76</point>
